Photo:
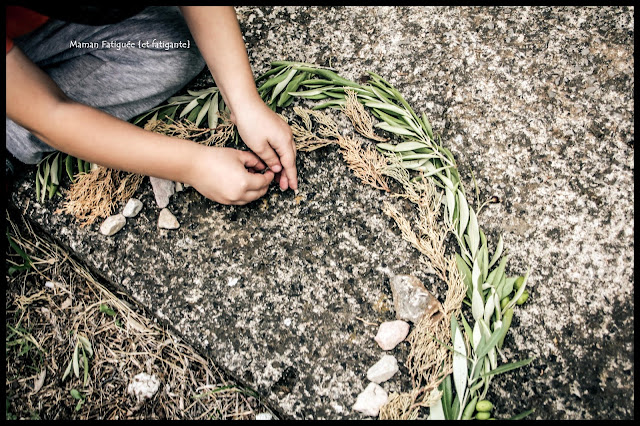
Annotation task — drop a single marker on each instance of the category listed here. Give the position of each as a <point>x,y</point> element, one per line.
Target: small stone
<point>162,189</point>
<point>112,224</point>
<point>383,370</point>
<point>167,220</point>
<point>132,208</point>
<point>411,299</point>
<point>179,187</point>
<point>264,416</point>
<point>143,386</point>
<point>370,400</point>
<point>391,333</point>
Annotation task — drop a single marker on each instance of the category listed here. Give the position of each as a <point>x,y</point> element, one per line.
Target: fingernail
<point>276,168</point>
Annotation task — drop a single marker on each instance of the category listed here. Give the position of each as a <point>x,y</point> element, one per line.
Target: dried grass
<point>96,194</point>
<point>52,317</point>
<point>360,118</point>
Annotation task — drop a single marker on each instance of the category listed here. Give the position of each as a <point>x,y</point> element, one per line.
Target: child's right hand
<point>229,176</point>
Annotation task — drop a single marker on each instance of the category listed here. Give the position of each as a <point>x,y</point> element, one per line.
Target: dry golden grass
<point>124,345</point>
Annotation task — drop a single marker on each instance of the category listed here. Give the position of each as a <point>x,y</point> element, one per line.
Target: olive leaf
<point>460,367</point>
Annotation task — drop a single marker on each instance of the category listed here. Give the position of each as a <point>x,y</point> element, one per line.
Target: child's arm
<point>35,102</point>
<point>217,33</point>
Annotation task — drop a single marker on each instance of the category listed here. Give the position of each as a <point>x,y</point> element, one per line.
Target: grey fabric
<point>124,82</point>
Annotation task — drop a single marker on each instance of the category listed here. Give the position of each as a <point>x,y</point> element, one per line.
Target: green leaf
<point>451,203</point>
<point>465,273</point>
<point>202,93</point>
<point>464,212</point>
<point>445,387</point>
<point>460,367</point>
<point>203,111</point>
<point>75,394</point>
<point>213,112</point>
<point>76,366</point>
<point>387,107</point>
<point>272,71</point>
<point>281,85</point>
<point>86,344</point>
<point>522,415</point>
<point>394,129</point>
<point>194,113</point>
<point>68,163</point>
<point>68,370</point>
<point>484,348</point>
<point>45,186</point>
<point>38,184</point>
<point>107,310</point>
<point>507,367</point>
<point>427,126</point>
<point>85,361</point>
<point>497,253</point>
<point>190,106</point>
<point>473,232</point>
<point>54,169</point>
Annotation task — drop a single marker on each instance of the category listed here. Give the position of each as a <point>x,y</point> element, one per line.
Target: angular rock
<point>112,224</point>
<point>162,189</point>
<point>370,400</point>
<point>391,333</point>
<point>411,299</point>
<point>167,220</point>
<point>179,187</point>
<point>132,208</point>
<point>383,370</point>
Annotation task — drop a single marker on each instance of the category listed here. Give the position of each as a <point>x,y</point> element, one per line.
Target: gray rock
<point>370,400</point>
<point>162,189</point>
<point>112,224</point>
<point>383,370</point>
<point>167,220</point>
<point>391,333</point>
<point>132,208</point>
<point>411,300</point>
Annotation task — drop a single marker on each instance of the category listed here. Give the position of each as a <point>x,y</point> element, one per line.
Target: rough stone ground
<point>537,102</point>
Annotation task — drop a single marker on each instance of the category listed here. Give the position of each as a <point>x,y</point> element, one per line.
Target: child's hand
<point>229,176</point>
<point>270,138</point>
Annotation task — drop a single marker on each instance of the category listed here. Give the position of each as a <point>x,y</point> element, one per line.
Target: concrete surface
<point>537,102</point>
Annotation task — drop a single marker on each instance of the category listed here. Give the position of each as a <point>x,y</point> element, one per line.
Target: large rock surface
<point>537,102</point>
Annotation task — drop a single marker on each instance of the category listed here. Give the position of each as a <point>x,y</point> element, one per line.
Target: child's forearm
<point>97,137</point>
<point>35,102</point>
<point>218,36</point>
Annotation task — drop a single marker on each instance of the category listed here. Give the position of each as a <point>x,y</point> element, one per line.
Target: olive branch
<point>475,351</point>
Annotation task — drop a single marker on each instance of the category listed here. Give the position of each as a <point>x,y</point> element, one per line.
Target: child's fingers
<point>250,160</point>
<point>258,181</point>
<point>287,155</point>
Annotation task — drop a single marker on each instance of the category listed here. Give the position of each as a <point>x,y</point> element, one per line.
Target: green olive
<point>483,415</point>
<point>504,302</point>
<point>484,405</point>
<point>518,283</point>
<point>523,298</point>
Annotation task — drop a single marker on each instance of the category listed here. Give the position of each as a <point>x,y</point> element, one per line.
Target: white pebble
<point>383,370</point>
<point>179,187</point>
<point>264,416</point>
<point>391,333</point>
<point>112,224</point>
<point>167,220</point>
<point>132,208</point>
<point>143,386</point>
<point>370,400</point>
